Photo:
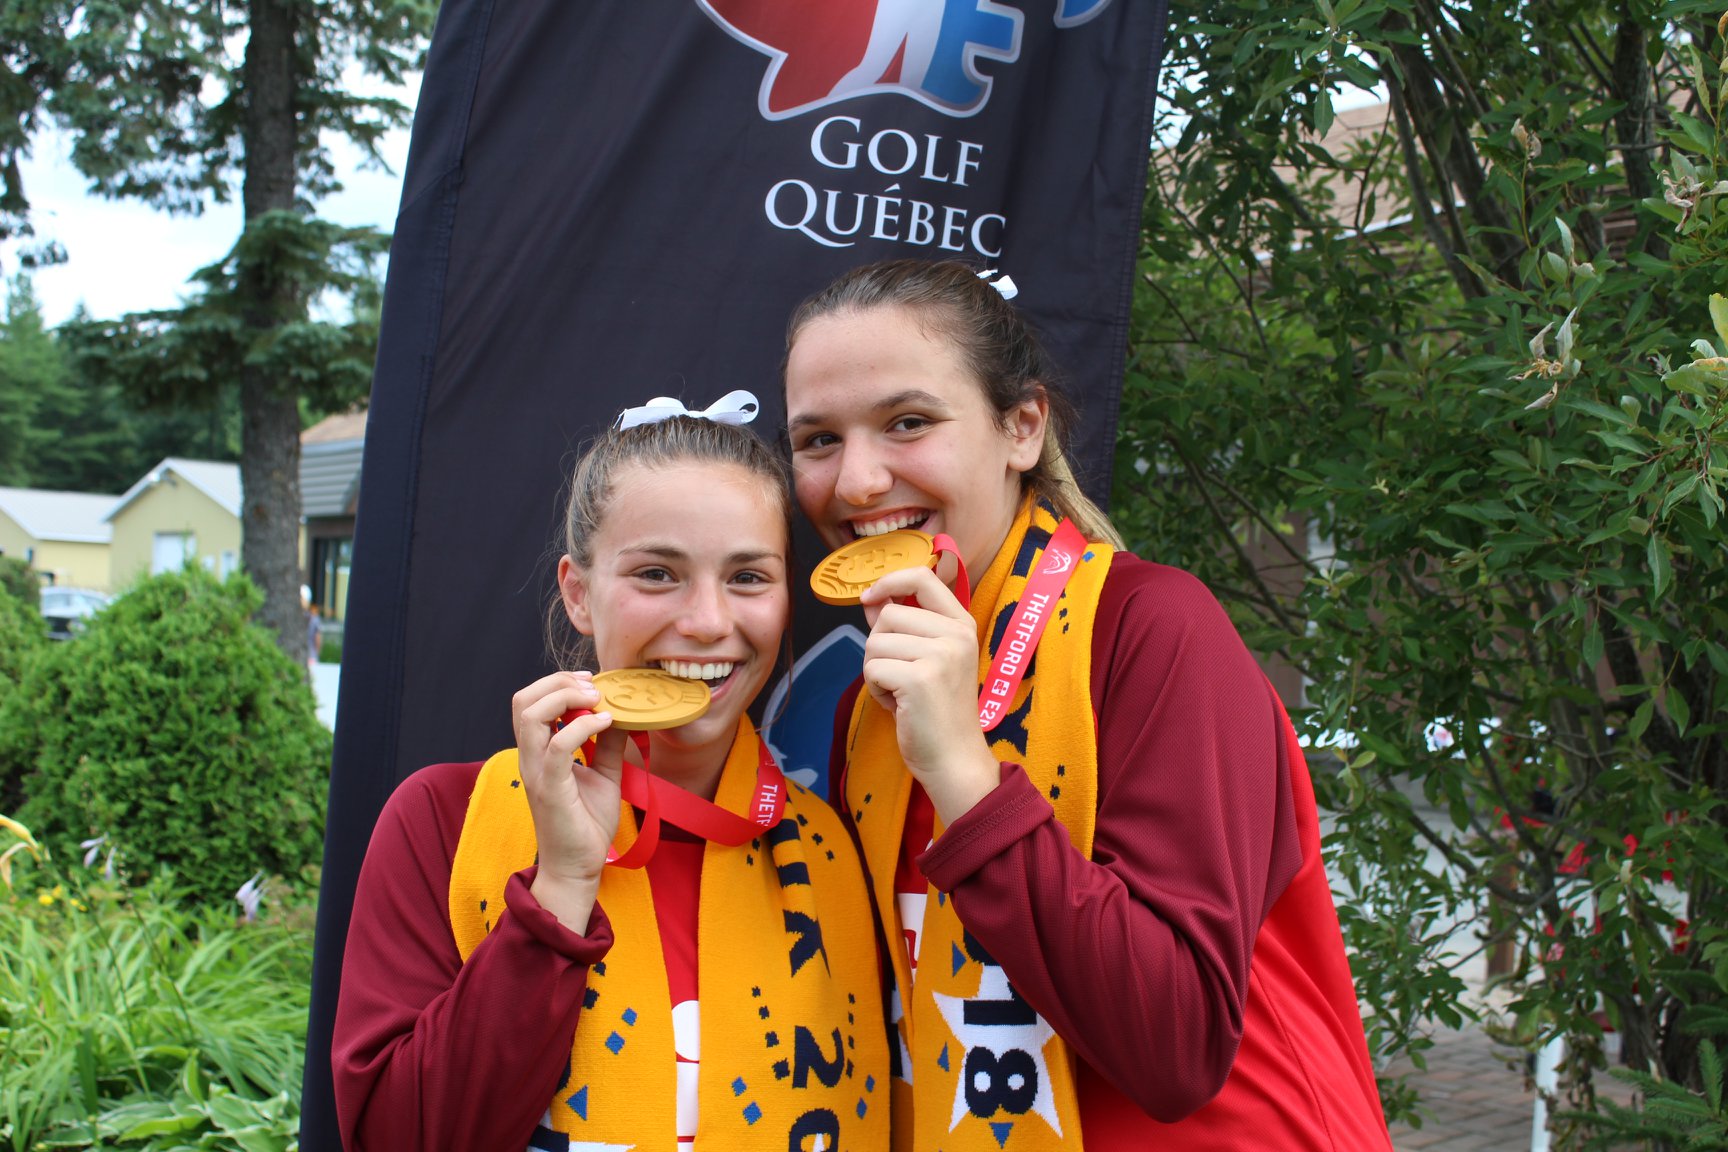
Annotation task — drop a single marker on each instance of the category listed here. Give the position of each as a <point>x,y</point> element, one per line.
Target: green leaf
<point>1322,112</point>
<point>1679,492</point>
<point>1593,644</point>
<point>1699,84</point>
<point>1711,502</point>
<point>1661,567</point>
<point>166,1126</point>
<point>1641,719</point>
<point>192,1079</point>
<point>1693,135</point>
<point>1696,380</point>
<point>1563,339</point>
<point>1678,710</point>
<point>1719,317</point>
<point>87,1071</point>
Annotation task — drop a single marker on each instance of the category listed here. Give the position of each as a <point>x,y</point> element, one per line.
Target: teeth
<point>693,670</point>
<point>890,523</point>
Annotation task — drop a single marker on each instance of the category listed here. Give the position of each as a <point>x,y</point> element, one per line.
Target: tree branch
<point>1461,276</point>
<point>1247,565</point>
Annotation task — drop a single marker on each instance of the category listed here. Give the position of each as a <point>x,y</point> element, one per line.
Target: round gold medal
<point>647,699</point>
<point>850,569</point>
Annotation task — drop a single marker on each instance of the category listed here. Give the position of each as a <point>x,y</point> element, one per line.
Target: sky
<point>124,256</point>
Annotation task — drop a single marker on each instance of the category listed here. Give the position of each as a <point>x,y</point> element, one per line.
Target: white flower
<point>93,848</point>
<point>250,895</point>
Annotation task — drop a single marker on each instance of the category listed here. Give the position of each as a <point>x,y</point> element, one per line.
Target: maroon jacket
<point>431,1053</point>
<point>1195,962</point>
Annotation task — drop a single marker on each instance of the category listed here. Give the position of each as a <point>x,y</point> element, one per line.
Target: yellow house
<point>179,510</point>
<point>63,535</point>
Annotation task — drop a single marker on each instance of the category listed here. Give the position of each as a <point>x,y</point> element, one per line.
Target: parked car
<point>67,609</point>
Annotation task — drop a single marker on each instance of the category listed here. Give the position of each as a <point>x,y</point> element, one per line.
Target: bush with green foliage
<point>1462,373</point>
<point>19,580</point>
<point>133,1018</point>
<point>177,729</point>
<point>23,634</point>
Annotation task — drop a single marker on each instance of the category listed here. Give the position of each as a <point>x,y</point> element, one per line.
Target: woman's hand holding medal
<point>575,806</point>
<point>921,663</point>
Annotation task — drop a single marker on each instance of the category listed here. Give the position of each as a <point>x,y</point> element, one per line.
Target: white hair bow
<point>1002,282</point>
<point>736,407</point>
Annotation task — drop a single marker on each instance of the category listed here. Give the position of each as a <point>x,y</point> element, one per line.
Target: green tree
<point>1459,372</point>
<point>174,103</point>
<point>71,421</point>
<point>32,382</point>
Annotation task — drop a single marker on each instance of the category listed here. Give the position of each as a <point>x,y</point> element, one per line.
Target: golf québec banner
<point>610,200</point>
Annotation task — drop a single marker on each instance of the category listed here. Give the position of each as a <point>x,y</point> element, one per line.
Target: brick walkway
<point>1475,1098</point>
<point>1474,1095</point>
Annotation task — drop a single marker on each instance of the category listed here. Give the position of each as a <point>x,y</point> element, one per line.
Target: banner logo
<point>929,50</point>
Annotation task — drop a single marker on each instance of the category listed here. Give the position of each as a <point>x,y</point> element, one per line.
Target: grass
<point>129,1016</point>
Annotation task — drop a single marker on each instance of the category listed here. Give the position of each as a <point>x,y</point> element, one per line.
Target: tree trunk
<point>1635,123</point>
<point>269,410</point>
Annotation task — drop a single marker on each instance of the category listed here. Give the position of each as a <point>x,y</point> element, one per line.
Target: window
<point>171,550</point>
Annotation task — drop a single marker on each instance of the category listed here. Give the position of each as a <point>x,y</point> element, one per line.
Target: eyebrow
<point>667,551</point>
<point>912,396</point>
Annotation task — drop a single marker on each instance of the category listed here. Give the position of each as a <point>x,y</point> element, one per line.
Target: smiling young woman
<point>625,945</point>
<point>1106,853</point>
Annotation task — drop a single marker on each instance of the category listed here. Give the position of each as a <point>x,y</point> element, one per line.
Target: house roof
<point>219,481</point>
<point>342,426</point>
<point>330,454</point>
<point>66,517</point>
<point>329,478</point>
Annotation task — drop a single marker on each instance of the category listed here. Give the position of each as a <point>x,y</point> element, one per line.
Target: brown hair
<point>996,343</point>
<point>658,445</point>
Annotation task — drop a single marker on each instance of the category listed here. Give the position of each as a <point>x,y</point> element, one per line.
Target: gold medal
<point>647,699</point>
<point>850,569</point>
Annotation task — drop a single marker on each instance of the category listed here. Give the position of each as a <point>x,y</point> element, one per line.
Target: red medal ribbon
<point>942,542</point>
<point>661,799</point>
<point>1037,601</point>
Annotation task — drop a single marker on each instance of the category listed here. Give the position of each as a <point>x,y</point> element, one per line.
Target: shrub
<point>330,650</point>
<point>19,579</point>
<point>1459,366</point>
<point>176,728</point>
<point>23,633</point>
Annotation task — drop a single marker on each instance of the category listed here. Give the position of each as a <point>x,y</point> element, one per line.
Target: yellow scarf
<point>792,1043</point>
<point>987,1073</point>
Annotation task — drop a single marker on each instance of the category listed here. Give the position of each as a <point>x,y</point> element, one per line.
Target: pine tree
<point>175,104</point>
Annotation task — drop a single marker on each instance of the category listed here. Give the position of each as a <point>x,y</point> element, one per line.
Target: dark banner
<point>610,200</point>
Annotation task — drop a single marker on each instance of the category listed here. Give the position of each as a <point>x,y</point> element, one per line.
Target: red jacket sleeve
<point>429,1052</point>
<point>1139,956</point>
